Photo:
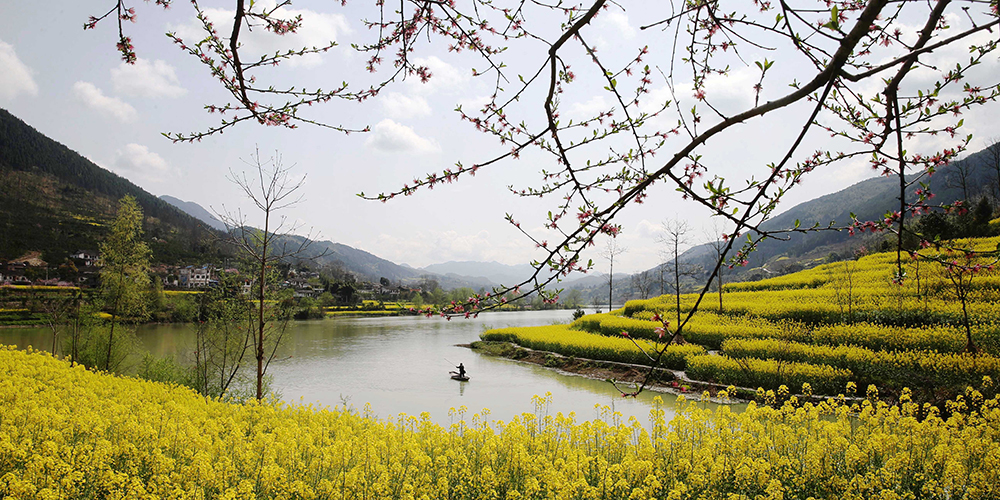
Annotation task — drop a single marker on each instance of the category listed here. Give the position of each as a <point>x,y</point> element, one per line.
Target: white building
<point>89,258</point>
<point>195,277</point>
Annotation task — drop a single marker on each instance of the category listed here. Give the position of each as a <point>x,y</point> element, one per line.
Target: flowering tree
<point>223,56</point>
<point>859,73</point>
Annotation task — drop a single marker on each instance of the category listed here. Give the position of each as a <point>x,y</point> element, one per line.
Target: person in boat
<point>461,370</point>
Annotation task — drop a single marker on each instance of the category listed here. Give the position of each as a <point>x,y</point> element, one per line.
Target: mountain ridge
<point>57,202</point>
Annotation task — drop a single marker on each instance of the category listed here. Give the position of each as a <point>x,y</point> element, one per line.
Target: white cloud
<point>648,229</point>
<point>147,79</point>
<point>619,20</point>
<point>400,106</point>
<point>15,76</point>
<point>473,105</point>
<point>110,106</point>
<point>589,109</point>
<point>730,93</point>
<point>391,137</point>
<point>138,163</point>
<point>317,30</point>
<point>443,76</point>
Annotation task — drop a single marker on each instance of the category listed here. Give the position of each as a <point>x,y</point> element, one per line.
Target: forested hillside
<point>56,202</point>
<point>970,179</point>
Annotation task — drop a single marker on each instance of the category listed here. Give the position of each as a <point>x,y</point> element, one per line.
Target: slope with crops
<point>836,323</point>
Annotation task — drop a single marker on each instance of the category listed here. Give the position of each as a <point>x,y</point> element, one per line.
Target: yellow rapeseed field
<point>71,433</point>
<point>561,339</point>
<point>839,321</point>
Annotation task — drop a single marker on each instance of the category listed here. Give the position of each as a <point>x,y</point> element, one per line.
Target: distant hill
<point>195,210</point>
<point>869,200</point>
<point>368,266</point>
<point>56,202</point>
<point>489,273</point>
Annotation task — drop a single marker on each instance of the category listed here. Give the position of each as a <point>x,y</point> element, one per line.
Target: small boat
<point>456,376</point>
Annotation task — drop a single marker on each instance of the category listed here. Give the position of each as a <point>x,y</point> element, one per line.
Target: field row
<point>561,339</point>
<point>711,330</point>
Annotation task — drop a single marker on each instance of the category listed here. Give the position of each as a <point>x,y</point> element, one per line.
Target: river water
<point>401,364</point>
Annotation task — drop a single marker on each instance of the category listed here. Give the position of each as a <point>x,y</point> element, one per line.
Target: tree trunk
<point>611,282</point>
<point>677,282</point>
<point>260,309</point>
<point>720,289</point>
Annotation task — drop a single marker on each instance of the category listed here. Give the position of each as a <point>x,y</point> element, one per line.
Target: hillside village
<point>81,269</point>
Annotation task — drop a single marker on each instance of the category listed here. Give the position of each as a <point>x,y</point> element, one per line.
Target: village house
<point>196,277</point>
<point>85,257</point>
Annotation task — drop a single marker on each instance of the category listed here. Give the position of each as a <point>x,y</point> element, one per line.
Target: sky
<point>72,86</point>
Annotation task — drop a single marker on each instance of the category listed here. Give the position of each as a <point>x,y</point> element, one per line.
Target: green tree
<point>124,276</point>
<point>68,270</point>
<point>574,298</point>
<point>326,299</point>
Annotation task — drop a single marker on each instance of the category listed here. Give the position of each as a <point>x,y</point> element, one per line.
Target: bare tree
<point>643,283</point>
<point>960,267</point>
<point>960,178</point>
<point>843,289</point>
<point>719,247</point>
<point>271,188</point>
<point>661,272</point>
<point>674,237</point>
<point>612,250</point>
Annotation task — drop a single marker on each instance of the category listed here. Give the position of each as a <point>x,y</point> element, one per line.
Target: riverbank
<point>624,374</point>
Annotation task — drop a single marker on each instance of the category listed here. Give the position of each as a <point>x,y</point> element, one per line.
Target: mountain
<point>970,178</point>
<point>490,273</point>
<point>56,202</point>
<point>195,210</point>
<point>368,266</point>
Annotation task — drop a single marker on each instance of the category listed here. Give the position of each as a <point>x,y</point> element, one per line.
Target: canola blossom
<point>894,369</point>
<point>562,340</point>
<point>768,373</point>
<point>829,324</point>
<point>71,433</point>
<point>855,291</point>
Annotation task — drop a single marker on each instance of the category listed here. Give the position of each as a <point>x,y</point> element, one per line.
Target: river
<point>400,365</point>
